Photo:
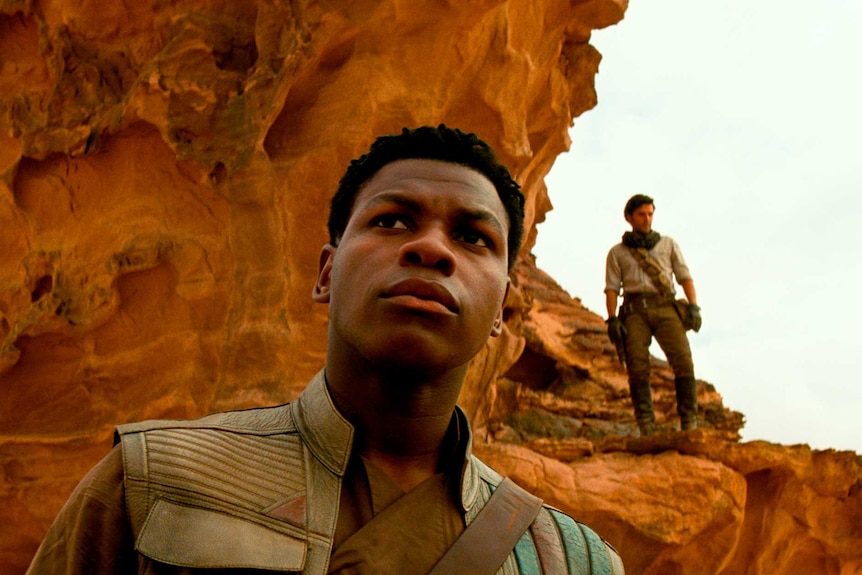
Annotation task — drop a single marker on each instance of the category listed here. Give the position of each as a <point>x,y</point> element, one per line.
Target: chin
<point>422,358</point>
<point>406,359</point>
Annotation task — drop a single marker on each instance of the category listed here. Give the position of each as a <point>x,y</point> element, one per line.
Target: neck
<point>400,419</point>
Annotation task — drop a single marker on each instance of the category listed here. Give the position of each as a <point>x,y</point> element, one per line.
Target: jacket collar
<point>330,436</point>
<point>324,430</point>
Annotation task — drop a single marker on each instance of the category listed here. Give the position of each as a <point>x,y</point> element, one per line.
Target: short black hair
<point>637,201</point>
<point>440,143</point>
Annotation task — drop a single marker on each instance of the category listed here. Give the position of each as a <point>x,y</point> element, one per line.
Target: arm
<point>611,298</point>
<point>690,292</point>
<point>682,273</point>
<point>613,283</point>
<point>91,535</point>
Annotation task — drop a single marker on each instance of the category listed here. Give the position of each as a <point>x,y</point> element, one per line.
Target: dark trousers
<point>645,318</point>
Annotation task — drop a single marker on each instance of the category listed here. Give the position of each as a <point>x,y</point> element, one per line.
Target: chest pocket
<point>197,538</point>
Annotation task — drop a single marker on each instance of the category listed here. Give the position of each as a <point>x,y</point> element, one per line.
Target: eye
<point>475,238</point>
<point>390,221</point>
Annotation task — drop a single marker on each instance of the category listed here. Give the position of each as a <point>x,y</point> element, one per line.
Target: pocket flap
<point>200,538</point>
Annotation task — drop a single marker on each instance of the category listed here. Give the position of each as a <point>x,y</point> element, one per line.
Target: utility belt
<point>646,300</point>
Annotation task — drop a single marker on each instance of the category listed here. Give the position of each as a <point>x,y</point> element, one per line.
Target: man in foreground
<point>369,471</point>
<point>644,266</point>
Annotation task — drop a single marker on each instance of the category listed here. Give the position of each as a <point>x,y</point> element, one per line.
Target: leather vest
<point>259,489</point>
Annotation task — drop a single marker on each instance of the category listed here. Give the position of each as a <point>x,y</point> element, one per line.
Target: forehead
<point>435,182</point>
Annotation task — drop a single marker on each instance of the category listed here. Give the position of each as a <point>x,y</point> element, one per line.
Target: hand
<point>616,330</point>
<point>694,319</point>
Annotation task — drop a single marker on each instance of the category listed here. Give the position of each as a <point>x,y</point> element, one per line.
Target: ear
<point>628,218</point>
<point>320,293</point>
<point>497,328</point>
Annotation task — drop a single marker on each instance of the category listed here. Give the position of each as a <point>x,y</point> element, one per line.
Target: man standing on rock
<point>643,266</point>
<point>370,470</point>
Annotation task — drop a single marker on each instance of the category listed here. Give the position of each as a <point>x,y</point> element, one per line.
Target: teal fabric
<point>526,555</point>
<point>599,562</point>
<point>577,555</point>
<point>585,551</point>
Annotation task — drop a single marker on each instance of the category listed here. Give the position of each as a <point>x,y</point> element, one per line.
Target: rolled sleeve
<point>677,261</point>
<point>613,274</point>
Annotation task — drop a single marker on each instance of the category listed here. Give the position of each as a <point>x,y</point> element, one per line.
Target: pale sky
<point>743,120</point>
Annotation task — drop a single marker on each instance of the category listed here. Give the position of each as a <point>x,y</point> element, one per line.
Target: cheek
<point>347,284</point>
<point>491,296</point>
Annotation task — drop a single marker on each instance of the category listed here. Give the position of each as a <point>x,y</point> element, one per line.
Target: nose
<point>428,248</point>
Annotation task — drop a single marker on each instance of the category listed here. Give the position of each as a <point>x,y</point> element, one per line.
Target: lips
<point>424,290</point>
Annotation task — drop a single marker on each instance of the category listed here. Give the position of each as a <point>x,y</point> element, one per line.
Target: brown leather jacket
<point>259,489</point>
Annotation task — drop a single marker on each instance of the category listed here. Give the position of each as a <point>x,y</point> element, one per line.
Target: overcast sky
<point>743,120</point>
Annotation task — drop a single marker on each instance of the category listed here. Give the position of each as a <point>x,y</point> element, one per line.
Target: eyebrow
<point>465,214</point>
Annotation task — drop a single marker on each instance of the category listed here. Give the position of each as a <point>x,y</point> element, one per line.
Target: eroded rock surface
<point>165,168</point>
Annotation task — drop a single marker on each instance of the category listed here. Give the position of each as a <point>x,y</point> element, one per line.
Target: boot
<point>642,402</point>
<point>647,428</point>
<point>686,402</point>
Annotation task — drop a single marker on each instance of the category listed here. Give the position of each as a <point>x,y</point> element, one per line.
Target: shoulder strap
<point>489,539</point>
<point>653,269</point>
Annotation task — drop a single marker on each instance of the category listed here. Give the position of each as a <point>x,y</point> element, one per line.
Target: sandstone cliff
<point>164,171</point>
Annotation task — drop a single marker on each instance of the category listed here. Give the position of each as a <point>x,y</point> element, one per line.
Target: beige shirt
<point>623,272</point>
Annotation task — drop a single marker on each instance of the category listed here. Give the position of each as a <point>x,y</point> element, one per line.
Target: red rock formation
<point>696,503</point>
<point>164,171</point>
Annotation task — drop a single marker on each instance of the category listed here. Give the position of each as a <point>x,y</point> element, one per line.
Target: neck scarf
<point>637,240</point>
